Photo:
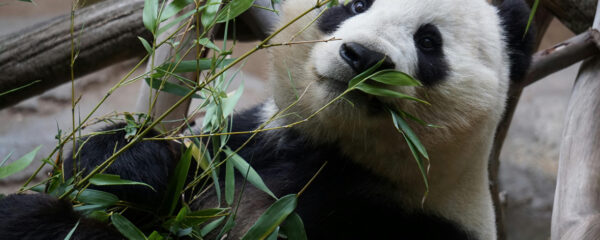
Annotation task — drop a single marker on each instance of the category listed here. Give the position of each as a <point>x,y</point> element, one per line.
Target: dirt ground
<point>529,158</point>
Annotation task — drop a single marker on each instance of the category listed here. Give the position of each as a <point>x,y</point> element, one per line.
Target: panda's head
<point>460,50</point>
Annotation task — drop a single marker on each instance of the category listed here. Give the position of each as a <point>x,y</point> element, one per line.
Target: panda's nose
<point>361,58</point>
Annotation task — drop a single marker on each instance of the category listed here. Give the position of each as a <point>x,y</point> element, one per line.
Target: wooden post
<point>576,212</point>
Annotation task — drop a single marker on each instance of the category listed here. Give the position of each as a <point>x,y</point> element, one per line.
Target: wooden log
<point>576,212</point>
<point>106,33</point>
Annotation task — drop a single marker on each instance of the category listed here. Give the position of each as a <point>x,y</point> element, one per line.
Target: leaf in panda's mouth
<point>394,78</point>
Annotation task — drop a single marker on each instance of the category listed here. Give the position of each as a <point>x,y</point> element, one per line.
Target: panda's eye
<point>427,43</point>
<point>359,7</point>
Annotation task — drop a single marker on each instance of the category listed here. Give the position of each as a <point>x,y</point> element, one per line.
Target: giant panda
<point>464,52</point>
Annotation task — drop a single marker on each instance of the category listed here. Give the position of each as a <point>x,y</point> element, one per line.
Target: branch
<point>563,55</point>
<point>106,33</point>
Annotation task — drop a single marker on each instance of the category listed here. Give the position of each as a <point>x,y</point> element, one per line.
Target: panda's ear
<point>519,43</point>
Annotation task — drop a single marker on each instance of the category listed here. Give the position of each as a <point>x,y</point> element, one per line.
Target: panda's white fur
<point>467,104</point>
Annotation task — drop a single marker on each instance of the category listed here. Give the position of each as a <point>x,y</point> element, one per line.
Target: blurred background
<point>529,158</point>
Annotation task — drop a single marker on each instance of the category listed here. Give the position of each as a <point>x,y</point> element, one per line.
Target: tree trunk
<point>576,212</point>
<point>106,33</point>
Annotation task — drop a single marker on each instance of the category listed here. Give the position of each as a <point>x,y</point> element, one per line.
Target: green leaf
<point>392,77</point>
<point>150,14</point>
<point>234,9</point>
<point>198,217</point>
<point>30,1</point>
<point>383,92</point>
<point>146,45</point>
<point>72,231</point>
<point>126,228</point>
<point>403,126</point>
<point>193,65</point>
<point>209,13</point>
<point>211,226</point>
<point>99,215</point>
<point>417,120</point>
<point>169,87</point>
<point>271,218</point>
<point>531,16</point>
<point>163,28</point>
<point>155,236</point>
<point>420,163</point>
<point>231,101</point>
<point>274,234</point>
<point>293,227</point>
<point>177,181</point>
<point>364,75</point>
<point>229,182</point>
<point>95,197</point>
<point>246,170</point>
<point>207,43</point>
<point>18,165</point>
<point>173,8</point>
<point>111,179</point>
<point>415,146</point>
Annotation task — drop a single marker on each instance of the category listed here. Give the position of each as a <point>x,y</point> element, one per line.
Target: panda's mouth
<point>372,104</point>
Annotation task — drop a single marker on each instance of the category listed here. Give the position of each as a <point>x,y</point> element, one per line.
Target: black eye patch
<point>334,16</point>
<point>432,62</point>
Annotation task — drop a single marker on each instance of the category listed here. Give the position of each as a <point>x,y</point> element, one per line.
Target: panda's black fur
<point>346,201</point>
<point>42,217</point>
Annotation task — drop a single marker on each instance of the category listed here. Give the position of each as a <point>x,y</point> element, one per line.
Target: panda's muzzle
<point>361,58</point>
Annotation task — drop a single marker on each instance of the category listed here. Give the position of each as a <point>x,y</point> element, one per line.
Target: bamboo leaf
<point>126,228</point>
<point>231,101</point>
<point>274,234</point>
<point>169,87</point>
<point>211,226</point>
<point>150,14</point>
<point>177,181</point>
<point>229,182</point>
<point>210,12</point>
<point>246,170</point>
<point>95,197</point>
<point>531,16</point>
<point>364,75</point>
<point>164,27</point>
<point>72,231</point>
<point>18,165</point>
<point>111,179</point>
<point>272,217</point>
<point>293,227</point>
<point>155,236</point>
<point>146,45</point>
<point>193,65</point>
<point>414,144</point>
<point>403,126</point>
<point>173,8</point>
<point>234,9</point>
<point>207,43</point>
<point>383,92</point>
<point>392,77</point>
